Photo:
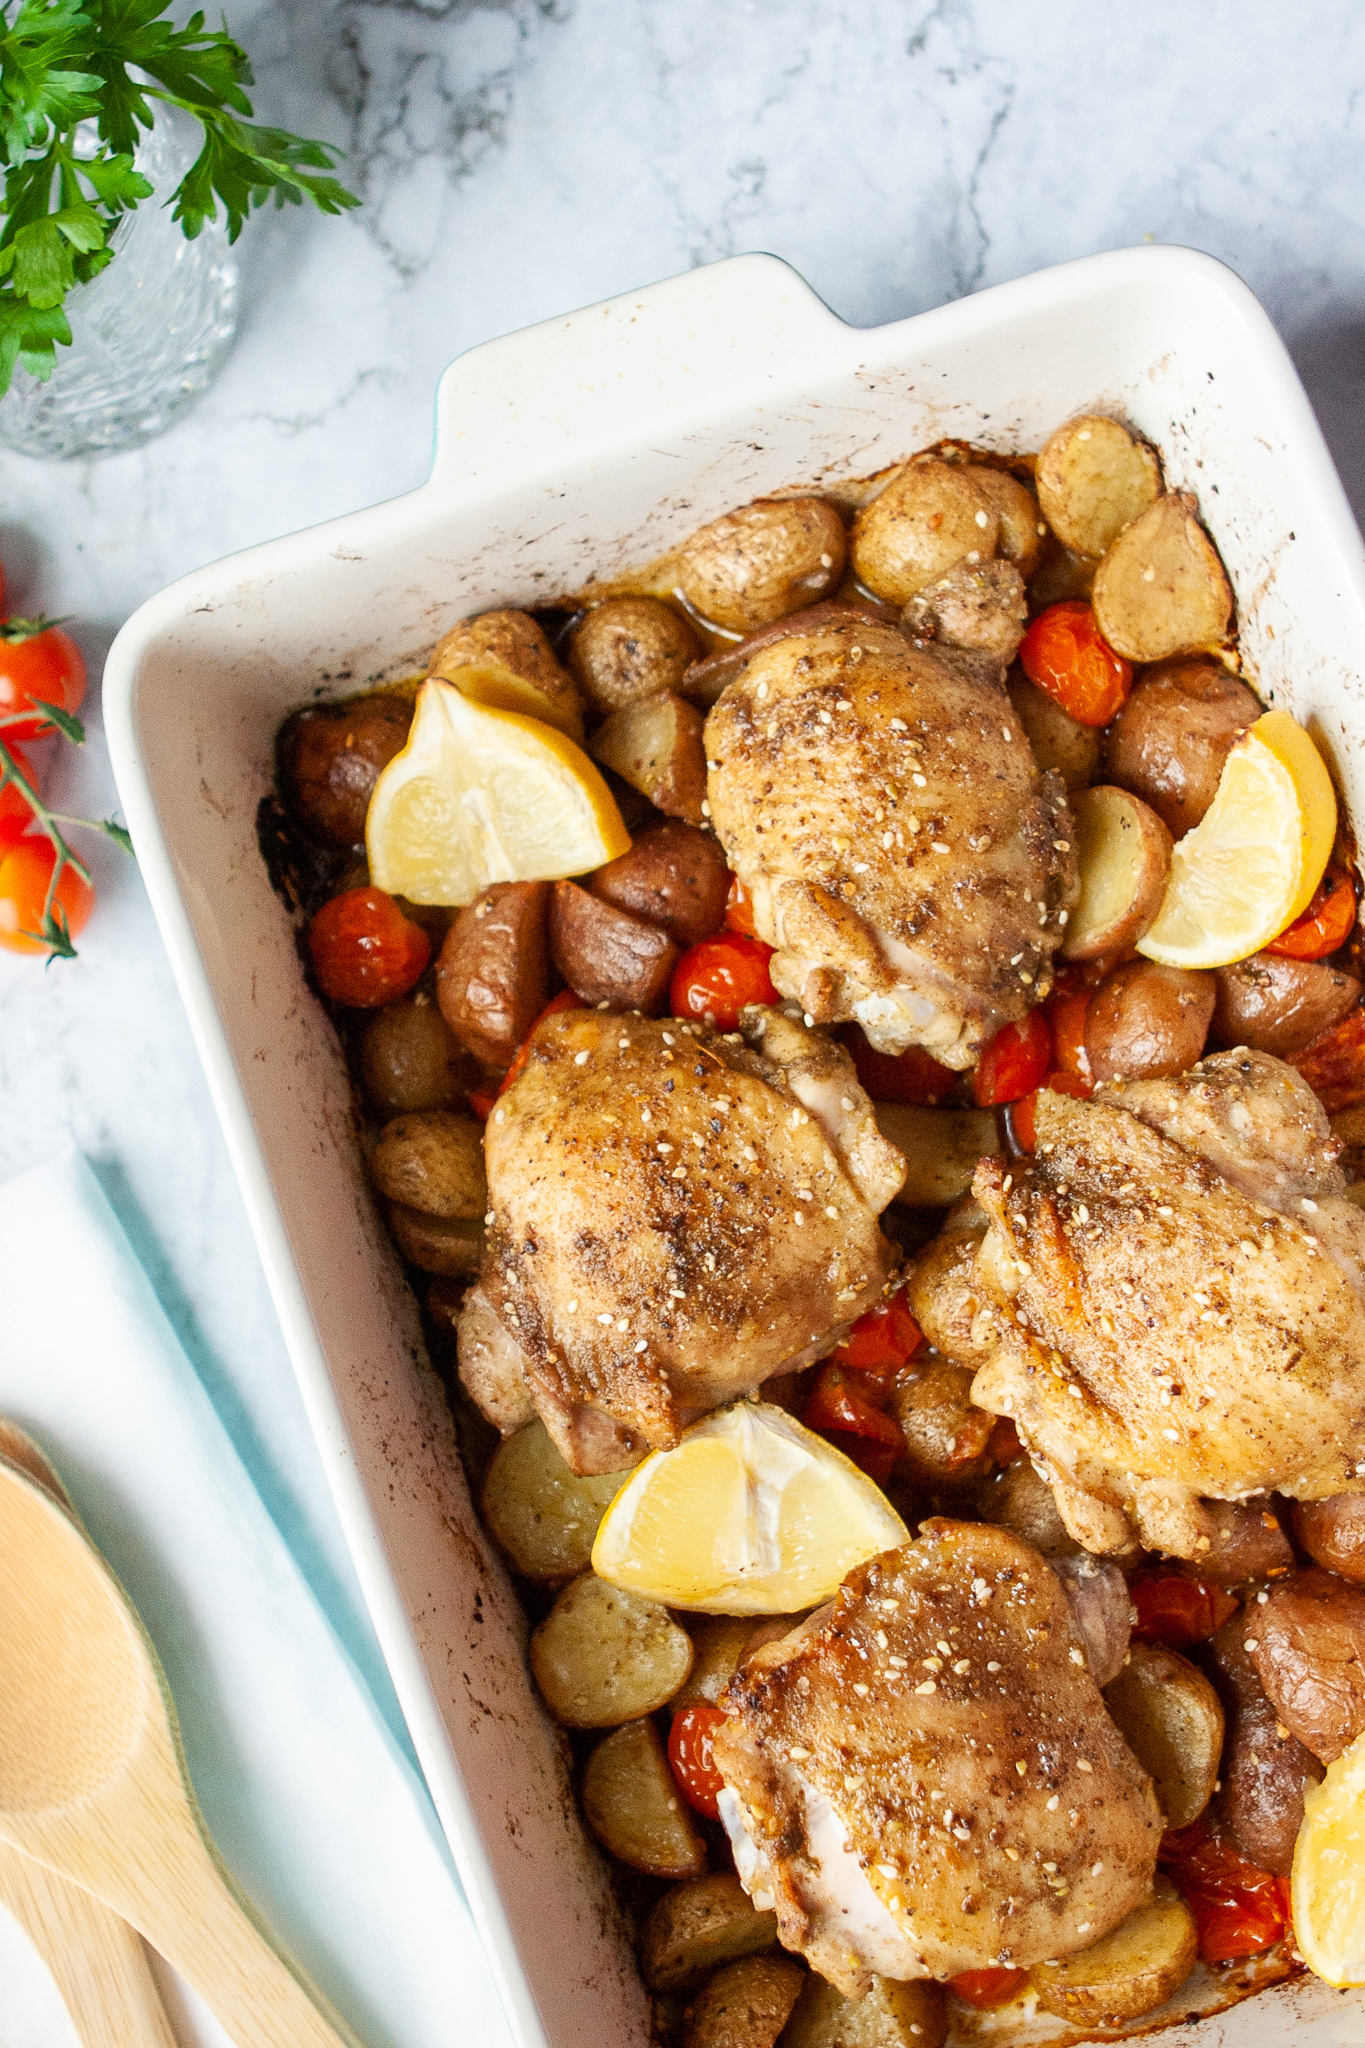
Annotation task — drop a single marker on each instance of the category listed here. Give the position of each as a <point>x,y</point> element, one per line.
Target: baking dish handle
<point>617,373</point>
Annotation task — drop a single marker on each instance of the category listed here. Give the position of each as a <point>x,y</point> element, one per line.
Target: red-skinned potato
<point>1171,739</point>
<point>1333,1533</point>
<point>674,877</point>
<point>1277,1005</point>
<point>607,956</point>
<point>493,974</point>
<point>1308,1645</point>
<point>655,744</point>
<point>1247,1543</point>
<point>1264,1770</point>
<point>1146,1020</point>
<point>330,757</point>
<point>1123,852</point>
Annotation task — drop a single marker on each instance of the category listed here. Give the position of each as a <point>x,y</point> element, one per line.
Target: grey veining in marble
<point>520,157</point>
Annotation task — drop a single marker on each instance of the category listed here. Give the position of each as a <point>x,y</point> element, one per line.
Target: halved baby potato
<point>602,1656</point>
<point>655,744</point>
<point>1124,855</point>
<point>1160,589</point>
<point>1172,1720</point>
<point>745,2005</point>
<point>544,1515</point>
<point>632,1804</point>
<point>1131,1971</point>
<point>892,2015</point>
<point>1093,480</point>
<point>697,1927</point>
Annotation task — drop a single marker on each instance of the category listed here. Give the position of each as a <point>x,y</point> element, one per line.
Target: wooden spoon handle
<point>97,1962</point>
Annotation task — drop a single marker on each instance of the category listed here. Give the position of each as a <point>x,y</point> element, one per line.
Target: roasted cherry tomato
<point>1066,1011</point>
<point>842,1406</point>
<point>877,1460</point>
<point>914,1076</point>
<point>1239,1909</point>
<point>988,1988</point>
<point>1177,1611</point>
<point>1334,1064</point>
<point>37,660</point>
<point>1005,1446</point>
<point>1326,923</point>
<point>1065,653</point>
<point>481,1101</point>
<point>884,1339</point>
<point>689,1752</point>
<point>25,872</point>
<point>739,909</point>
<point>15,815</point>
<point>1015,1062</point>
<point>365,952</point>
<point>565,1000</point>
<point>719,978</point>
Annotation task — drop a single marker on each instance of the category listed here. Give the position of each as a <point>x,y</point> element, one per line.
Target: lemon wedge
<point>751,1514</point>
<point>1327,1887</point>
<point>1253,861</point>
<point>480,795</point>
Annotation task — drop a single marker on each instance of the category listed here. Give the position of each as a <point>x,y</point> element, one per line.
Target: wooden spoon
<point>93,1780</point>
<point>97,1962</point>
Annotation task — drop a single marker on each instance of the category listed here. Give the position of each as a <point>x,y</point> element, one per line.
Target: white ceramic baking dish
<point>577,447</point>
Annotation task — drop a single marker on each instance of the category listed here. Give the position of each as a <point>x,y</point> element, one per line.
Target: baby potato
<point>410,1059</point>
<point>698,1926</point>
<point>891,2015</point>
<point>1279,1005</point>
<point>1170,741</point>
<point>1264,1770</point>
<point>1145,1021</point>
<point>655,744</point>
<point>632,1804</point>
<point>629,647</point>
<point>544,1516</point>
<point>493,973</point>
<point>1308,1645</point>
<point>941,1148</point>
<point>1097,1594</point>
<point>1018,1499</point>
<point>674,877</point>
<point>607,956</point>
<point>601,1656</point>
<point>1022,531</point>
<point>719,1642</point>
<point>1333,1533</point>
<point>1093,480</point>
<point>1172,1720</point>
<point>1160,589</point>
<point>745,2005</point>
<point>931,516</point>
<point>761,562</point>
<point>432,1161</point>
<point>1123,852</point>
<point>1056,739</point>
<point>1248,1543</point>
<point>329,758</point>
<point>977,605</point>
<point>946,1438</point>
<point>1129,1972</point>
<point>448,1245</point>
<point>491,1362</point>
<point>502,658</point>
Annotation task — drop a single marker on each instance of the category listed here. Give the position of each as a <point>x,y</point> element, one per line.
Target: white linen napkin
<point>316,1810</point>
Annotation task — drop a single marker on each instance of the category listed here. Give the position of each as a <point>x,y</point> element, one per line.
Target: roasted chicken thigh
<point>675,1217</point>
<point>904,855</point>
<point>1172,1297</point>
<point>923,1779</point>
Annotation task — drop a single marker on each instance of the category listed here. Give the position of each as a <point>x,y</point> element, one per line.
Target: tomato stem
<point>54,931</point>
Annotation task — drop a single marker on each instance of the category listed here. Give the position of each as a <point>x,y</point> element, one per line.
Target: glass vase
<point>148,335</point>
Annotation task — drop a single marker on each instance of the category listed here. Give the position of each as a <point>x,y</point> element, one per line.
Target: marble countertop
<point>520,157</point>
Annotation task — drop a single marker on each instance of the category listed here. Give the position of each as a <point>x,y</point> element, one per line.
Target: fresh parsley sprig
<point>65,62</point>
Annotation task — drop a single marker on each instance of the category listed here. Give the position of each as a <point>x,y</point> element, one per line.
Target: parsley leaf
<point>65,62</point>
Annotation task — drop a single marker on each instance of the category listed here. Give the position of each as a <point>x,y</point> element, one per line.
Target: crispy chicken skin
<point>923,1778</point>
<point>903,853</point>
<point>676,1216</point>
<point>1176,1302</point>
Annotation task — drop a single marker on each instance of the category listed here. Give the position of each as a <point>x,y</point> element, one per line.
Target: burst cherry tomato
<point>1176,1611</point>
<point>689,1752</point>
<point>718,978</point>
<point>883,1340</point>
<point>25,871</point>
<point>1326,923</point>
<point>1005,1445</point>
<point>1334,1064</point>
<point>914,1076</point>
<point>739,909</point>
<point>1065,653</point>
<point>988,1988</point>
<point>1066,1011</point>
<point>839,1407</point>
<point>1239,1909</point>
<point>37,660</point>
<point>15,815</point>
<point>365,952</point>
<point>1015,1061</point>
